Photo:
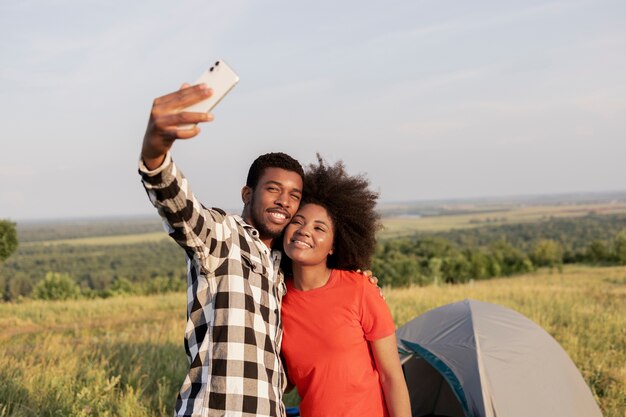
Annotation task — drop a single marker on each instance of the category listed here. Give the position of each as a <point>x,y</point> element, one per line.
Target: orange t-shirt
<point>325,345</point>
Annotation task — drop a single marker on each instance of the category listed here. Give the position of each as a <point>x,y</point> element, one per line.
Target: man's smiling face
<point>273,202</point>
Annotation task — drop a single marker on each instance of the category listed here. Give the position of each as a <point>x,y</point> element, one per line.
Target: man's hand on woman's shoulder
<point>369,275</point>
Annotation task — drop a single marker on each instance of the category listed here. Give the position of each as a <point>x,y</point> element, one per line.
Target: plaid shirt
<point>234,290</point>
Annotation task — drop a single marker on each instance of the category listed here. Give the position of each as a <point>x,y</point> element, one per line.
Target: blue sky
<point>431,99</point>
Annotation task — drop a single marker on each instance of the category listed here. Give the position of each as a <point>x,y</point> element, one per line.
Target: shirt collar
<point>246,226</point>
<point>252,230</point>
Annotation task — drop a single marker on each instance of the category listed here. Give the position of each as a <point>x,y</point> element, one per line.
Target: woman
<point>339,338</point>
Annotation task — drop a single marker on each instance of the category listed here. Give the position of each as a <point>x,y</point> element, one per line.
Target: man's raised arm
<point>186,220</point>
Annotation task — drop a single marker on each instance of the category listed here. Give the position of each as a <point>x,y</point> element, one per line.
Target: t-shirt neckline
<point>330,283</point>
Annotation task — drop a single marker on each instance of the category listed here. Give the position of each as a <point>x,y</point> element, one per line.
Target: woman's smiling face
<point>309,237</point>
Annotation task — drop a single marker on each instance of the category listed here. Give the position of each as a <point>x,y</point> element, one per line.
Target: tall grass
<point>114,357</point>
<point>124,356</point>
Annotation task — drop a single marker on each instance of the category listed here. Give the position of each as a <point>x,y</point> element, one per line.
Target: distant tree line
<point>48,271</point>
<point>97,270</point>
<point>66,229</point>
<point>61,286</point>
<point>484,252</point>
<point>574,234</point>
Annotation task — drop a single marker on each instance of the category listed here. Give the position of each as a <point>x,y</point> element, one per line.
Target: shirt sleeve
<point>375,315</point>
<point>194,227</point>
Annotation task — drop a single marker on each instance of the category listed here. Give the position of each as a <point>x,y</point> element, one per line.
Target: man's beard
<point>261,227</point>
<point>265,231</point>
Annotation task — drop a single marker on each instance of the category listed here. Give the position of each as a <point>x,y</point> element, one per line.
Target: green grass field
<point>125,356</point>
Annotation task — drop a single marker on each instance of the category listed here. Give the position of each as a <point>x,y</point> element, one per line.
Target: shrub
<point>123,286</point>
<point>17,286</point>
<point>547,252</point>
<point>162,285</point>
<point>56,286</point>
<point>620,247</point>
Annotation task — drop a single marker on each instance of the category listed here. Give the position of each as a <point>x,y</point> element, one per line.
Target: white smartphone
<point>221,79</point>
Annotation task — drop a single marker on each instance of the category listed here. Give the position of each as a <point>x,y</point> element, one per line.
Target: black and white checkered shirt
<point>234,290</point>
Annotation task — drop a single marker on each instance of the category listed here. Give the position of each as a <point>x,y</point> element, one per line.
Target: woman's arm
<point>385,352</point>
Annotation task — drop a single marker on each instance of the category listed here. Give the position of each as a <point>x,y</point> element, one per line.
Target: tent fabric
<point>495,363</point>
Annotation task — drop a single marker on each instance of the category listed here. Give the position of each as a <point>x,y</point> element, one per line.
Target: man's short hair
<point>272,160</point>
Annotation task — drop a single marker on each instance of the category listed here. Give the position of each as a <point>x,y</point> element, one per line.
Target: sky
<point>429,99</point>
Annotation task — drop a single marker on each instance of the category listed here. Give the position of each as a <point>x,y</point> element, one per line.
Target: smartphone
<point>221,79</point>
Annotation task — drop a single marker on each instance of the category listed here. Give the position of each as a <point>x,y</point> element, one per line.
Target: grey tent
<point>476,359</point>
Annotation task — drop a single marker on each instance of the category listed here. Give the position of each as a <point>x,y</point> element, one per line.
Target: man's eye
<point>296,197</point>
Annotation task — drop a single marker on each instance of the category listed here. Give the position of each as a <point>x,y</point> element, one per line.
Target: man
<point>233,331</point>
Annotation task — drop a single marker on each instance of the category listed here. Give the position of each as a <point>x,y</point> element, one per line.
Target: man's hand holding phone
<point>166,117</point>
<point>176,115</point>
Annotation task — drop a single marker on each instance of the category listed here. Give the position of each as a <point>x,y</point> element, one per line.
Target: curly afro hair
<point>351,206</point>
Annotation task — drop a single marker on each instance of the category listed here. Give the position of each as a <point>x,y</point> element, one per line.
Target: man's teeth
<point>279,215</point>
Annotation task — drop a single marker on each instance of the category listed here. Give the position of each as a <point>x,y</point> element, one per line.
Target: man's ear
<point>246,194</point>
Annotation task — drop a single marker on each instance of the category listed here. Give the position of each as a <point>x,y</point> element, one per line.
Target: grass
<point>125,357</point>
<point>114,357</point>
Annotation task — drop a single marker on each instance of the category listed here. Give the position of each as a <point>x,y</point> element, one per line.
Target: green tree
<point>620,247</point>
<point>17,286</point>
<point>456,269</point>
<point>56,286</point>
<point>8,239</point>
<point>396,268</point>
<point>547,252</point>
<point>597,252</point>
<point>161,285</point>
<point>123,286</point>
<point>508,260</point>
<point>479,263</point>
<point>434,270</point>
